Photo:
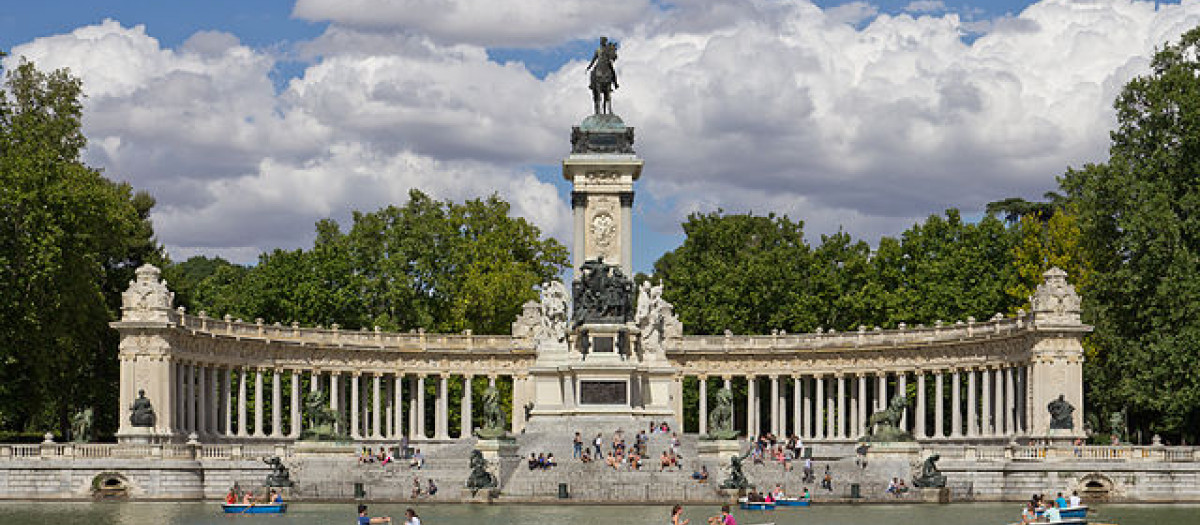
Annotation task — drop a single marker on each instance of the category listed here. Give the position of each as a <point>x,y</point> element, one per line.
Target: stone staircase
<point>597,482</point>
<point>335,478</point>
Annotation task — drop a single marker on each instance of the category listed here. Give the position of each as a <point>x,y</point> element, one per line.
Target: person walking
<point>677,516</point>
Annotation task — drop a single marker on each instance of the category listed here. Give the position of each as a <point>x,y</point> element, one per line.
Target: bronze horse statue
<point>603,76</point>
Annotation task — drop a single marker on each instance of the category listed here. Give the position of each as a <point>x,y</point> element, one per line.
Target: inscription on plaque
<point>602,393</point>
<point>602,344</point>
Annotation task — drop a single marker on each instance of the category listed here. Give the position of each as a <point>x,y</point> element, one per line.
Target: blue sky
<point>230,112</point>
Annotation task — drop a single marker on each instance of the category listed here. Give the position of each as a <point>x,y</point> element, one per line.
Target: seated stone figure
<point>142,413</point>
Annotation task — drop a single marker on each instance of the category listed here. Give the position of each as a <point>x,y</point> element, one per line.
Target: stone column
<point>202,400</point>
<point>985,416</point>
<point>466,426</point>
<point>919,415</point>
<point>397,390</point>
<point>830,410</point>
<point>314,381</point>
<point>819,413</point>
<point>414,407</point>
<point>881,391</point>
<point>840,431</point>
<point>797,408</point>
<point>807,407</point>
<point>956,408</point>
<point>751,394</point>
<point>862,404</point>
<point>775,405</point>
<point>703,395</point>
<point>783,411</point>
<point>334,395</point>
<point>226,402</point>
<point>852,401</point>
<point>972,423</point>
<point>376,405</point>
<point>189,398</point>
<point>276,403</point>
<point>242,404</point>
<point>443,408</point>
<point>258,402</point>
<point>355,397</point>
<point>939,409</point>
<point>297,417</point>
<point>902,390</point>
<point>421,405</point>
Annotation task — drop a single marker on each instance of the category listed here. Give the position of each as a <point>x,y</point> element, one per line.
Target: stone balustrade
<point>189,451</point>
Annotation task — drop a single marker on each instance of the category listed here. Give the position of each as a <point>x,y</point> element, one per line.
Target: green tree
<point>69,242</point>
<point>744,273</point>
<point>1139,218</point>
<point>437,265</point>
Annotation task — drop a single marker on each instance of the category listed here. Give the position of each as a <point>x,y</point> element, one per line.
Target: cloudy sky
<point>251,120</point>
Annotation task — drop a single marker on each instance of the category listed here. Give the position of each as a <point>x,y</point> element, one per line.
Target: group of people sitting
<point>669,459</point>
<point>384,457</point>
<point>417,491</point>
<point>1050,509</point>
<point>236,495</point>
<point>544,461</point>
<point>897,487</point>
<point>769,447</point>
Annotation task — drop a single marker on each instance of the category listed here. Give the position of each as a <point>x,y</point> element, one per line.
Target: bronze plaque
<point>602,393</point>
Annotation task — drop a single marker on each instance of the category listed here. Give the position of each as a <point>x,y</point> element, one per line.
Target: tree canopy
<point>1139,220</point>
<point>69,242</point>
<point>437,265</point>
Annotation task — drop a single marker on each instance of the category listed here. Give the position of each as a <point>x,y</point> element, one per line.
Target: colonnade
<point>975,402</point>
<point>235,402</point>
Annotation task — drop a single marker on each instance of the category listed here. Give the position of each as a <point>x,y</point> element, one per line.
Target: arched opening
<point>110,486</point>
<point>1095,488</point>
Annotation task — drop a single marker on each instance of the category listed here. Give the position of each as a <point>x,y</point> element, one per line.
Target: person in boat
<point>677,516</point>
<point>363,519</point>
<point>807,495</point>
<point>248,499</point>
<point>410,517</point>
<point>768,498</point>
<point>276,497</point>
<point>1029,513</point>
<point>1052,515</point>
<point>231,497</point>
<point>1075,500</point>
<point>1060,501</point>
<point>778,494</point>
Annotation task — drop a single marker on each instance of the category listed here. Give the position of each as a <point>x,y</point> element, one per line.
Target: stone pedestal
<point>905,450</point>
<point>718,450</point>
<point>932,495</point>
<point>141,436</point>
<point>326,449</point>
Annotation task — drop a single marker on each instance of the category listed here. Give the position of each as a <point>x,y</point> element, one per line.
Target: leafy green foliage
<point>69,242</point>
<point>753,274</point>
<point>441,266</point>
<point>1139,218</point>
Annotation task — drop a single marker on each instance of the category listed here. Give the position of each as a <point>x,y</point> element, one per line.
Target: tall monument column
<point>602,168</point>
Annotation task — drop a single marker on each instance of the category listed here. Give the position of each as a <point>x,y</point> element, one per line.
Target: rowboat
<point>745,504</point>
<point>1068,512</point>
<point>792,502</point>
<point>254,508</point>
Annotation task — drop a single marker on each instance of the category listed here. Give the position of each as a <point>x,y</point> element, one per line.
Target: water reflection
<point>24,513</point>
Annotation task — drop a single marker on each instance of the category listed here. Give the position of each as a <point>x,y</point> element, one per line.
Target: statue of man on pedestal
<point>603,76</point>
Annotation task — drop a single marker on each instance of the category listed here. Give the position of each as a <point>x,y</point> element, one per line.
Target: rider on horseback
<point>603,75</point>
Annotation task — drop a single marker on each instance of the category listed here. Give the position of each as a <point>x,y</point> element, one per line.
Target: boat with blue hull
<point>254,508</point>
<point>745,504</point>
<point>1079,512</point>
<point>792,502</point>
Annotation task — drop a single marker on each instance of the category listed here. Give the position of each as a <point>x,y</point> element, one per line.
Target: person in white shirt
<point>410,517</point>
<point>1052,515</point>
<point>1075,500</point>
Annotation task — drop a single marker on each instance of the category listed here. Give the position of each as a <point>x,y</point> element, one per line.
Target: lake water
<point>21,513</point>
